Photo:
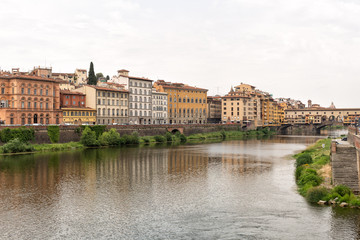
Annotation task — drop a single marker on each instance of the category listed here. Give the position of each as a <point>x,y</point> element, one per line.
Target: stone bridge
<point>313,128</point>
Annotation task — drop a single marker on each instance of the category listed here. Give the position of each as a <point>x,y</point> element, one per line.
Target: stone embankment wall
<point>71,133</point>
<point>344,164</point>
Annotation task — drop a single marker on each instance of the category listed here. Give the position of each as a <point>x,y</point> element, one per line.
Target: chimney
<point>15,71</point>
<point>123,72</point>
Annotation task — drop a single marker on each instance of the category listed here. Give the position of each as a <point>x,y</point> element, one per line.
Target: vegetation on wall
<point>53,133</point>
<point>22,133</point>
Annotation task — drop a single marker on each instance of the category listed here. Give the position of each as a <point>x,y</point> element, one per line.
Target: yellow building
<point>271,112</point>
<point>81,115</point>
<point>186,104</point>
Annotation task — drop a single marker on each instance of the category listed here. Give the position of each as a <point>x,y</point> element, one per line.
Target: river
<point>237,189</point>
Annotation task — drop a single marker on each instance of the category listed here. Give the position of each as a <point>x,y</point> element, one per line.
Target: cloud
<point>290,48</point>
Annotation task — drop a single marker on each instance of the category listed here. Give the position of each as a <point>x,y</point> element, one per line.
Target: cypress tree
<point>92,78</point>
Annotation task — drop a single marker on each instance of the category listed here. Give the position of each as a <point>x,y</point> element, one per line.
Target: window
<point>35,90</point>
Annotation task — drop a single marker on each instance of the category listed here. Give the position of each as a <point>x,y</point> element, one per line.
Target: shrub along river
<point>236,189</point>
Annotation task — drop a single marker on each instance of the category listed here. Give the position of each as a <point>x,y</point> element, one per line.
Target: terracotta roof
<point>139,78</point>
<point>235,96</point>
<point>180,86</point>
<point>123,70</point>
<point>77,108</point>
<point>81,70</point>
<point>108,89</point>
<point>28,77</point>
<point>71,92</point>
<point>115,84</point>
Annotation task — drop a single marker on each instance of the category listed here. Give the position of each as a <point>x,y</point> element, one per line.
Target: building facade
<point>140,100</point>
<point>242,105</point>
<point>111,104</point>
<point>214,109</point>
<point>79,115</point>
<point>27,99</point>
<point>186,104</point>
<point>80,77</point>
<point>72,99</point>
<point>159,105</point>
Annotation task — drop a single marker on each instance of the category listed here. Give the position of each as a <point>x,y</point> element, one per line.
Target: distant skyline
<point>298,49</point>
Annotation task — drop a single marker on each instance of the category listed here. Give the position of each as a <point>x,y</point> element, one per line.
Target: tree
<point>107,78</point>
<point>92,78</point>
<point>88,137</point>
<point>99,75</point>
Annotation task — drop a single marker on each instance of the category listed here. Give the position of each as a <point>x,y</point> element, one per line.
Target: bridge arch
<point>175,130</point>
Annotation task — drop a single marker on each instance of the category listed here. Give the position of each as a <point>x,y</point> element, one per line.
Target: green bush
<point>309,177</point>
<point>5,135</point>
<point>342,190</point>
<point>316,194</point>
<point>22,133</point>
<point>223,134</point>
<point>160,139</point>
<point>110,138</point>
<point>103,139</point>
<point>303,158</point>
<point>146,140</point>
<point>183,139</point>
<point>304,189</point>
<point>53,133</point>
<point>131,139</point>
<point>168,137</point>
<point>98,129</point>
<point>265,131</point>
<point>88,137</point>
<point>355,202</point>
<point>345,198</point>
<point>15,146</point>
<point>298,172</point>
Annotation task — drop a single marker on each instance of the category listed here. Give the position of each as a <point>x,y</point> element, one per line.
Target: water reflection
<point>228,190</point>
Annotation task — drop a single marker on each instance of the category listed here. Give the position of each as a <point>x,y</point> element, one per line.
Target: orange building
<point>72,99</point>
<point>186,104</point>
<point>26,99</point>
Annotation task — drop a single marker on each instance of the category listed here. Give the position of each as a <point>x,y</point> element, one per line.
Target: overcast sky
<point>303,49</point>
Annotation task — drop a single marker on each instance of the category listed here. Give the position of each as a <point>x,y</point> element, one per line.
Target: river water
<point>241,189</point>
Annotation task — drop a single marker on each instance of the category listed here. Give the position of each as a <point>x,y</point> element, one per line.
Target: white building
<point>140,90</point>
<point>159,107</point>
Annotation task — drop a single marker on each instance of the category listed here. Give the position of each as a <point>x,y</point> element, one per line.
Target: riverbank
<point>313,177</point>
<point>96,138</point>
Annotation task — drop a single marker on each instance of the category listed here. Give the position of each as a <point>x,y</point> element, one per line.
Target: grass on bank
<point>230,134</point>
<point>91,138</point>
<point>311,179</point>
